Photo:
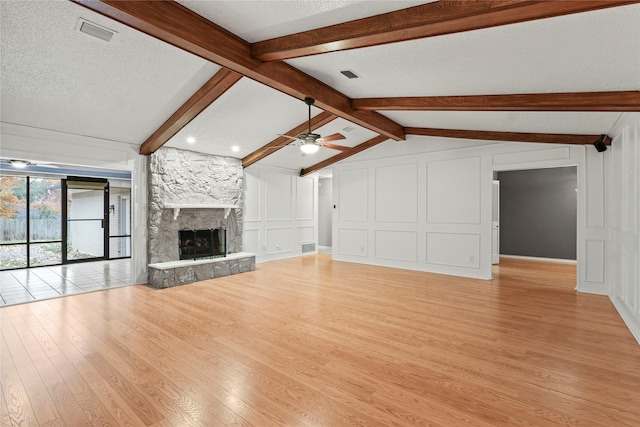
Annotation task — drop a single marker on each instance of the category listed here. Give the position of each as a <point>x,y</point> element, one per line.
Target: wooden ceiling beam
<point>222,81</point>
<point>432,19</point>
<point>579,101</point>
<point>550,138</point>
<point>177,25</point>
<point>348,153</point>
<point>281,141</point>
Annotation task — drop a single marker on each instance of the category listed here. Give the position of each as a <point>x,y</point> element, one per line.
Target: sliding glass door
<point>50,221</point>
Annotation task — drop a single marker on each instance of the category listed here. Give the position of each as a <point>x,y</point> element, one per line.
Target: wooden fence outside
<point>12,230</point>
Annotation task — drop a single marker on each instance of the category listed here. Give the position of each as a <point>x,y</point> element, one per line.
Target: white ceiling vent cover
<point>95,30</point>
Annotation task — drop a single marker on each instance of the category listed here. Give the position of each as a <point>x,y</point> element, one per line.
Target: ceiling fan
<point>311,142</point>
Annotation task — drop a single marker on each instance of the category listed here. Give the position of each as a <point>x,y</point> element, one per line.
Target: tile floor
<point>34,284</point>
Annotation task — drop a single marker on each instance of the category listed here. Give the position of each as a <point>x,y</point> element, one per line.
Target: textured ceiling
<point>53,77</point>
<point>56,78</point>
<point>255,21</point>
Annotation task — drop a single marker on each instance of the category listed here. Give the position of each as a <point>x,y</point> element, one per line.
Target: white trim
<point>632,322</point>
<point>177,206</point>
<point>533,258</point>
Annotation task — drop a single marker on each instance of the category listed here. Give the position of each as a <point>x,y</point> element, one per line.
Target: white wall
<point>23,142</point>
<point>624,213</point>
<point>431,211</point>
<point>280,213</point>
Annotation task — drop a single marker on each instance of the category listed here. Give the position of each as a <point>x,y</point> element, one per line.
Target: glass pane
<point>13,256</point>
<point>84,239</point>
<point>45,207</point>
<point>119,247</point>
<point>119,211</point>
<point>13,209</point>
<point>85,204</point>
<point>85,232</point>
<point>45,254</point>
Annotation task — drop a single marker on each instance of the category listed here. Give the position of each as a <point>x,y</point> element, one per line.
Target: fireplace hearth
<point>206,243</point>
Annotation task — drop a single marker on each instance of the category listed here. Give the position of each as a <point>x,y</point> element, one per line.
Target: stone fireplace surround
<point>210,191</point>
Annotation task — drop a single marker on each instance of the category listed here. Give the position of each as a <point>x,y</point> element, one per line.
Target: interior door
<point>86,219</point>
<point>495,231</point>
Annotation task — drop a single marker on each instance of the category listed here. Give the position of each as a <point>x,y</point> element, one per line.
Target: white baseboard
<point>532,258</point>
<point>632,322</point>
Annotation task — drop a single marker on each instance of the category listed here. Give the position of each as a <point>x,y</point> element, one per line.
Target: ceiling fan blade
<point>334,137</point>
<point>335,147</point>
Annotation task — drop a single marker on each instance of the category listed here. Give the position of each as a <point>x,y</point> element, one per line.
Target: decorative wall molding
<point>529,156</point>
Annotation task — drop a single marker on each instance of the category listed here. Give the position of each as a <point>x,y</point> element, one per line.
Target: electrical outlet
<point>471,258</point>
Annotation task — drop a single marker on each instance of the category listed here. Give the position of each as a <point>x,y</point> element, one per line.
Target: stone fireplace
<point>192,191</point>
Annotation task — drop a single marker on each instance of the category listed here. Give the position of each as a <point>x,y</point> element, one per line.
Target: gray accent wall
<point>538,213</point>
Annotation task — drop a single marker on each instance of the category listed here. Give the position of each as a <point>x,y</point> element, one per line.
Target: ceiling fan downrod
<point>309,102</point>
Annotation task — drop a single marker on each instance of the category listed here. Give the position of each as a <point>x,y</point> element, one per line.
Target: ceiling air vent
<point>95,30</point>
<point>348,129</point>
<point>349,74</point>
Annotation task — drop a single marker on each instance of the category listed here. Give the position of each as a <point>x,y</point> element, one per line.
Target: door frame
<point>104,224</point>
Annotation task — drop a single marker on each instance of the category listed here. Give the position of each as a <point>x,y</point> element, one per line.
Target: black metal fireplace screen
<point>210,243</point>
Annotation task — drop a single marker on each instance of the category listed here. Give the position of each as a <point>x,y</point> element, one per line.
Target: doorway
<point>539,213</point>
<point>325,215</point>
<point>85,229</point>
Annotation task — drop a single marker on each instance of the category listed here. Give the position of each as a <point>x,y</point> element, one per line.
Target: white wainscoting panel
<point>304,198</point>
<point>278,197</point>
<point>453,249</point>
<point>595,259</point>
<point>397,245</point>
<point>353,242</point>
<point>630,181</point>
<point>305,234</point>
<point>251,197</point>
<point>595,183</point>
<point>453,191</point>
<point>251,240</point>
<point>354,188</point>
<point>396,193</point>
<point>278,239</point>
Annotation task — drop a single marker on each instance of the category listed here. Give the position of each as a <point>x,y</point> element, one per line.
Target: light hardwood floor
<point>308,341</point>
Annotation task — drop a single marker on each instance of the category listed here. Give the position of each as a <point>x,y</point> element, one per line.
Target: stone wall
<point>181,176</point>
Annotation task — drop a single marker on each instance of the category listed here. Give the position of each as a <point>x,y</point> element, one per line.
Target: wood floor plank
<point>59,348</point>
<point>310,341</point>
<point>19,409</point>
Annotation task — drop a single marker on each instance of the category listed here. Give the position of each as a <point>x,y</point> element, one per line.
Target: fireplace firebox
<point>209,243</point>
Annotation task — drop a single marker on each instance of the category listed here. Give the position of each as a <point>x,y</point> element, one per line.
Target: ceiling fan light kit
<point>309,147</point>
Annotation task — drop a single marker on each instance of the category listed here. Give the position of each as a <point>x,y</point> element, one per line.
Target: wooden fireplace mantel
<point>177,206</point>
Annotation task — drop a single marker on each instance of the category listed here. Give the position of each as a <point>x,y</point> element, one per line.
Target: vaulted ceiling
<point>234,73</point>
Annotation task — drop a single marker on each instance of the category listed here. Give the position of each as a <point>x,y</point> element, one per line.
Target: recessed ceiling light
<point>20,164</point>
<point>235,148</point>
<point>191,140</point>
